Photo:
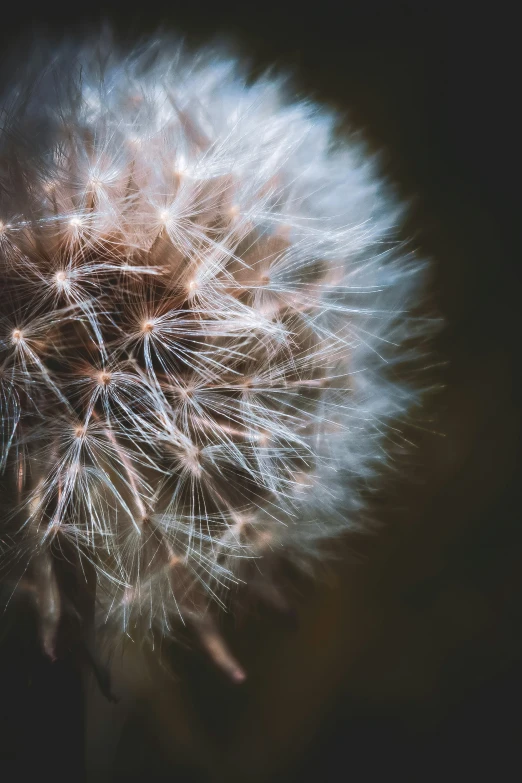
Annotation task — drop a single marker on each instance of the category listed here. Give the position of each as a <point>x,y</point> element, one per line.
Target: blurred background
<point>404,657</point>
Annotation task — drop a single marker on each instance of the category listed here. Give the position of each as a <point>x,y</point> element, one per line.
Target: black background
<point>407,659</point>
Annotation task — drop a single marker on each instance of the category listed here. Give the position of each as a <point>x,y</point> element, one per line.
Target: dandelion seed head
<point>208,337</point>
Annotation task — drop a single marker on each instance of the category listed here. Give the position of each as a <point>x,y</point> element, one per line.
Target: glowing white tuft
<point>203,310</point>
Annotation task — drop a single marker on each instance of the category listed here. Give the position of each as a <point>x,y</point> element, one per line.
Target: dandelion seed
<point>164,216</point>
<point>104,378</point>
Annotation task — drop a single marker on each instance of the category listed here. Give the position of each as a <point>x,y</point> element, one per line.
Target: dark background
<point>406,659</point>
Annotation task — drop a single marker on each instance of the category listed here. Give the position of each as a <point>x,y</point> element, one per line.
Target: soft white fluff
<point>204,315</point>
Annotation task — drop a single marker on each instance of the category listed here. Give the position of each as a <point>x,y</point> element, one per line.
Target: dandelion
<point>203,317</point>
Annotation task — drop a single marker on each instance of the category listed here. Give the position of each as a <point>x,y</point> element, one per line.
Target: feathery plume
<point>203,313</point>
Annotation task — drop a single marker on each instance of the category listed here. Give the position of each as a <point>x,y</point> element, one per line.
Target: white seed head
<point>221,380</point>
